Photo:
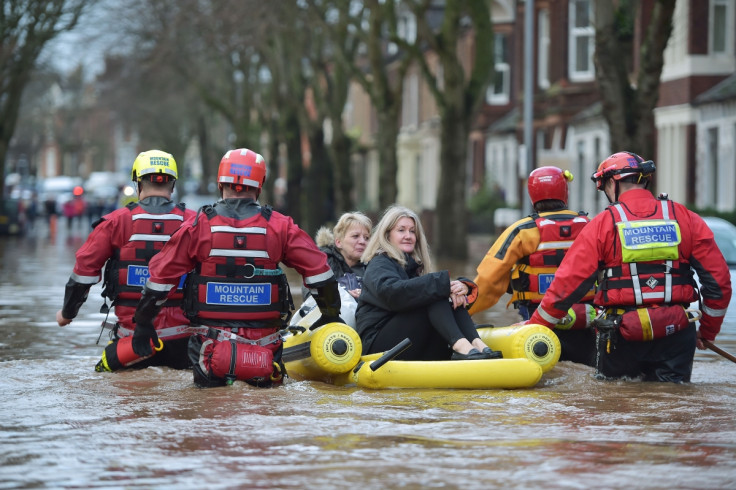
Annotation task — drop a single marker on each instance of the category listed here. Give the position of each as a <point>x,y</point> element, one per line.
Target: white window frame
<point>407,27</point>
<point>543,49</point>
<point>728,26</point>
<point>503,69</point>
<point>576,33</point>
<point>410,101</point>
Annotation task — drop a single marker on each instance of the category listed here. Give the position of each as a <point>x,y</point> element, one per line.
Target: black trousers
<point>432,331</point>
<point>668,359</point>
<point>577,345</point>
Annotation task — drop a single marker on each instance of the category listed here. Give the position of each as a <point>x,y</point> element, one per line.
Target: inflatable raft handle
<point>390,354</point>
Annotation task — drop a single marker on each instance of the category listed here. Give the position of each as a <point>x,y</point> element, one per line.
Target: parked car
<point>12,219</point>
<point>725,234</point>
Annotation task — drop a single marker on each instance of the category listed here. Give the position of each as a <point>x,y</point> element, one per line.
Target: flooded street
<point>65,426</point>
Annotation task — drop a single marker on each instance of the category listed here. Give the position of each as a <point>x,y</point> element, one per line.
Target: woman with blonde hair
<point>402,297</point>
<point>344,246</point>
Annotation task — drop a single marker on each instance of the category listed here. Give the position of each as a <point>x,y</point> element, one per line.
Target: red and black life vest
<point>239,281</point>
<point>126,271</point>
<point>533,274</point>
<point>639,280</point>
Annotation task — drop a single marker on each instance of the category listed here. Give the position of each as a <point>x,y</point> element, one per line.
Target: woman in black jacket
<point>402,298</point>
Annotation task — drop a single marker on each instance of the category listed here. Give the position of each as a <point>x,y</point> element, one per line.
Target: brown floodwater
<point>63,425</point>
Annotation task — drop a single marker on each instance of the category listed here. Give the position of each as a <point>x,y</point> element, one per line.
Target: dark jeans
<point>432,331</point>
<point>667,359</point>
<point>577,345</point>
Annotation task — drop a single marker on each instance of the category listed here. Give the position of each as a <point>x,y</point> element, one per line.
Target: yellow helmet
<point>160,165</point>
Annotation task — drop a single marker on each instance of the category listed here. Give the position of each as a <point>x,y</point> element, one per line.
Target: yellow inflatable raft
<point>331,353</point>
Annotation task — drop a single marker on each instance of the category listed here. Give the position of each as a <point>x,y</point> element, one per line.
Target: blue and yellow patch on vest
<point>233,294</point>
<point>647,240</point>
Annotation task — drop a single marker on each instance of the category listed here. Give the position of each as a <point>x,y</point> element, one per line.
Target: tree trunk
<point>318,200</point>
<point>386,141</point>
<point>452,214</point>
<point>340,149</point>
<point>294,167</point>
<point>628,107</point>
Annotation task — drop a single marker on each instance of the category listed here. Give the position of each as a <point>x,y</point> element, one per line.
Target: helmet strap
<point>604,183</point>
<point>616,191</point>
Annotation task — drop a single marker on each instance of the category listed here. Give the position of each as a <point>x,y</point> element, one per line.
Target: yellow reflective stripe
<point>646,323</point>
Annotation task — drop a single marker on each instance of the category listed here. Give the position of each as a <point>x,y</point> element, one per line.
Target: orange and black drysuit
<point>232,252</point>
<point>640,251</point>
<point>123,242</point>
<point>523,261</point>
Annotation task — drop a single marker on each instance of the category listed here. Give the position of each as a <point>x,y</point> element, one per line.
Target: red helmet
<point>620,165</point>
<point>548,183</point>
<point>242,167</point>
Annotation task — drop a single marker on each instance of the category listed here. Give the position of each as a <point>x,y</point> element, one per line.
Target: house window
<point>411,101</point>
<point>543,50</point>
<point>407,27</point>
<point>498,92</point>
<point>718,26</point>
<point>582,40</point>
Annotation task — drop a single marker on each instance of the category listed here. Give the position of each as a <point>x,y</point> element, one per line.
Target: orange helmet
<point>548,183</point>
<point>78,190</point>
<point>620,165</point>
<point>242,167</point>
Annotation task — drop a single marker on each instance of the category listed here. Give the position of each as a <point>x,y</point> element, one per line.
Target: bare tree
<point>380,76</point>
<point>334,30</point>
<point>459,94</point>
<point>630,92</point>
<point>26,26</point>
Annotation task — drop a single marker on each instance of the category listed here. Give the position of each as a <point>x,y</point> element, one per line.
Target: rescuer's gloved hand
<point>327,298</point>
<point>144,339</point>
<point>144,335</point>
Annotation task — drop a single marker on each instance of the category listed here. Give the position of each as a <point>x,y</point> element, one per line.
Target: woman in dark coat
<point>402,298</point>
<point>344,246</point>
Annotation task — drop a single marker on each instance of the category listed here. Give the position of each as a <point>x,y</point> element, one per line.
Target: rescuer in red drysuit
<point>235,294</point>
<point>640,250</point>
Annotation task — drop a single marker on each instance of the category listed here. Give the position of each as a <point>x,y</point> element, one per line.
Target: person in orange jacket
<point>641,251</point>
<point>524,259</point>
